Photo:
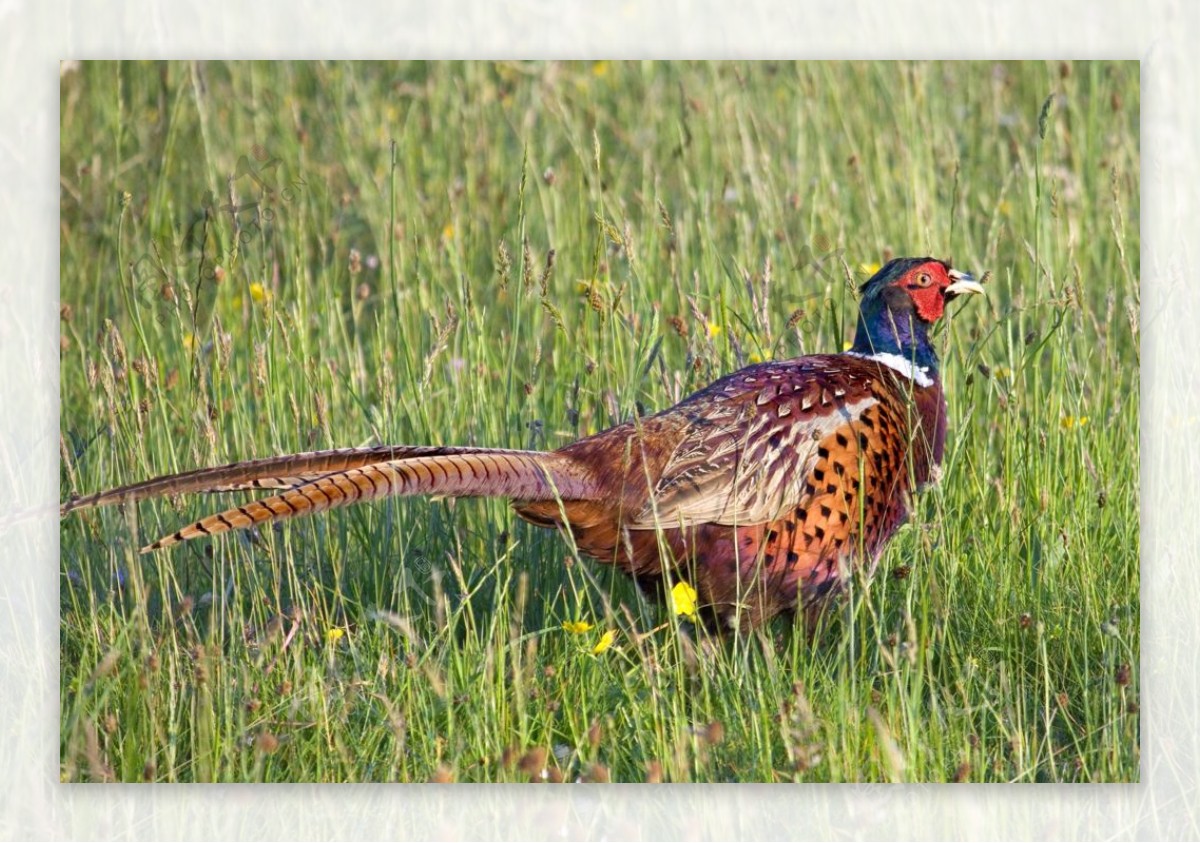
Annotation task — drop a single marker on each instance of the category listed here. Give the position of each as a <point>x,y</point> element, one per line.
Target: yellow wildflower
<point>334,634</point>
<point>599,68</point>
<point>1072,422</point>
<point>1002,373</point>
<point>577,627</point>
<point>714,330</point>
<point>189,341</point>
<point>448,232</point>
<point>606,641</point>
<point>259,293</point>
<point>754,357</point>
<point>847,345</point>
<point>868,269</point>
<point>683,600</point>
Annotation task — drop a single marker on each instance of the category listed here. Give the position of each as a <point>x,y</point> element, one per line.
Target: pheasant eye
<point>922,280</point>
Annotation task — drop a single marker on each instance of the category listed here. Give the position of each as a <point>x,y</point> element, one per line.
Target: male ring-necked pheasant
<point>763,490</point>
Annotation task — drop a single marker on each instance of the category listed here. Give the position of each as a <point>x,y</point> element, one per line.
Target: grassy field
<point>264,258</point>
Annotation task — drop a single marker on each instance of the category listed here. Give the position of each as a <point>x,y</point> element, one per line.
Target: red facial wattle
<point>926,287</point>
<point>930,302</point>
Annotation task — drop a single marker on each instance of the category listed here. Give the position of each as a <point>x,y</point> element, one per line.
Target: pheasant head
<point>901,302</point>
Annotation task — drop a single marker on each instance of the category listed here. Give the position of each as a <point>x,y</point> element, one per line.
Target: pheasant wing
<point>753,441</point>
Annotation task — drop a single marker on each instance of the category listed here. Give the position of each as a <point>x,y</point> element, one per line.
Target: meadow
<point>267,258</point>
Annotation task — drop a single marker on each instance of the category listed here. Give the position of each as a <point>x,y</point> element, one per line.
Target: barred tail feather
<point>271,473</point>
<point>521,475</point>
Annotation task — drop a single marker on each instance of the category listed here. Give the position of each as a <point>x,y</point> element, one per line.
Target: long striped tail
<point>322,480</point>
<point>271,473</point>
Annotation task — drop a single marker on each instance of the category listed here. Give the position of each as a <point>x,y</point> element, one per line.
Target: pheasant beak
<point>961,284</point>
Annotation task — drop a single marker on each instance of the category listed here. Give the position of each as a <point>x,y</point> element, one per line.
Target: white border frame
<point>1161,33</point>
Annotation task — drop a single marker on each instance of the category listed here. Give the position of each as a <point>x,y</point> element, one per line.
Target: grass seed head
<point>266,743</point>
<point>1123,674</point>
<point>534,761</point>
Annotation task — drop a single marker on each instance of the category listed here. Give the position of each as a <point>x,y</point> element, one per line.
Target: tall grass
<point>263,258</point>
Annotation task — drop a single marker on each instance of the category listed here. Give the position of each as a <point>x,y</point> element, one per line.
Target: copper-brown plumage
<point>763,489</point>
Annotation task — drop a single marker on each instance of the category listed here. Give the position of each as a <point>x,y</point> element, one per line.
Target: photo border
<point>1160,34</point>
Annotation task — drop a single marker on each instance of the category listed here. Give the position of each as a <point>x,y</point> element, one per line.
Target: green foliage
<point>264,258</point>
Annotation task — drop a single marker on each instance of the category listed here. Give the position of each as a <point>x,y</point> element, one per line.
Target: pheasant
<point>763,490</point>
